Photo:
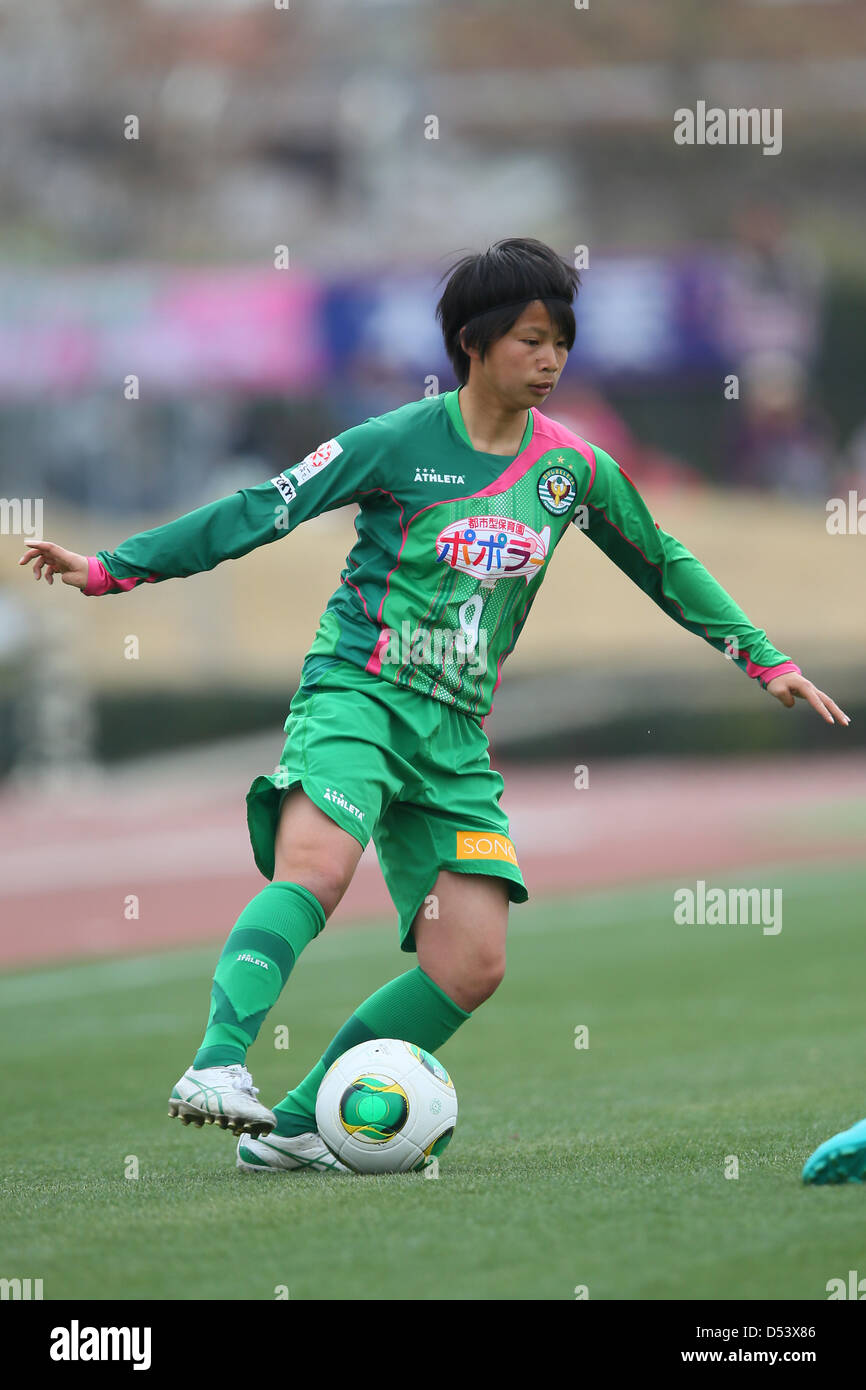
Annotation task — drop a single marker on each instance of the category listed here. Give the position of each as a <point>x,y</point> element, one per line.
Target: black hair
<point>487,292</point>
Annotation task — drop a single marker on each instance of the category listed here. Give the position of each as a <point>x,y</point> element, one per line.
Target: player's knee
<point>326,881</point>
<point>484,977</point>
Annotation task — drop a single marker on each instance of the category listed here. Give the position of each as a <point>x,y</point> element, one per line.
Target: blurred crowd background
<point>309,127</point>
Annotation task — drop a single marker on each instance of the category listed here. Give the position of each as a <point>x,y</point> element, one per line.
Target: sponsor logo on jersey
<point>493,547</point>
<point>423,475</point>
<point>474,844</point>
<point>284,487</point>
<point>316,461</point>
<point>556,488</point>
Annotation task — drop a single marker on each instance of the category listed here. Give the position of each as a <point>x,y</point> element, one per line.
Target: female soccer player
<point>463,499</point>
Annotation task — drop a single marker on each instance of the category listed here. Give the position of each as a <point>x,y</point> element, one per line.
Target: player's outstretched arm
<point>221,530</point>
<point>52,559</point>
<point>337,472</point>
<point>621,525</point>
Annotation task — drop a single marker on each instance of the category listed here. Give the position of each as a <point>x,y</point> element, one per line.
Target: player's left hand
<point>787,688</point>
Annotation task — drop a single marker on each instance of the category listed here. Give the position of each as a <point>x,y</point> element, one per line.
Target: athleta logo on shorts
<point>474,844</point>
<point>493,547</point>
<point>423,475</point>
<point>338,799</point>
<point>316,461</point>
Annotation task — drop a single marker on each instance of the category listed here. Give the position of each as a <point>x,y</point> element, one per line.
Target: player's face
<point>525,365</point>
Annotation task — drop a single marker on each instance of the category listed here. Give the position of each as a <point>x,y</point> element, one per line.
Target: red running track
<point>67,864</point>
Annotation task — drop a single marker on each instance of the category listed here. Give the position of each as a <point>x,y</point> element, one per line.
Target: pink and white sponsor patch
<point>316,461</point>
<point>493,547</point>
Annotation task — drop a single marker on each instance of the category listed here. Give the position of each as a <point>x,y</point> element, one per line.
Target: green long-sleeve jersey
<point>452,547</point>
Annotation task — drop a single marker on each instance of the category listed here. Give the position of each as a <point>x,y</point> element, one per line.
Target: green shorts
<point>403,768</point>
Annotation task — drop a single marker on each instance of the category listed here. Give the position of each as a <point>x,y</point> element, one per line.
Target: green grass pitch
<point>601,1167</point>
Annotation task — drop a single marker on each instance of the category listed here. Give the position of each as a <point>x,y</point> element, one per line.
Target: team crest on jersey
<point>316,461</point>
<point>493,547</point>
<point>556,489</point>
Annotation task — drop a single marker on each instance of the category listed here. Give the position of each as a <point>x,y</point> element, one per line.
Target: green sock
<point>412,1007</point>
<point>257,959</point>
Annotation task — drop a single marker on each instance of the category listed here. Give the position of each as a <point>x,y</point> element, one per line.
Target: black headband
<point>516,303</point>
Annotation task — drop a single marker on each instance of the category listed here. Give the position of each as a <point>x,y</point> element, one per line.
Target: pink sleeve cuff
<point>99,581</point>
<point>764,674</point>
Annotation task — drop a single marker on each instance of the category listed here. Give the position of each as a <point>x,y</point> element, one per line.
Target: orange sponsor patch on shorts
<point>478,844</point>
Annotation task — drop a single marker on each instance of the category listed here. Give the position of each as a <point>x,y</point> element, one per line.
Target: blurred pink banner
<point>77,330</point>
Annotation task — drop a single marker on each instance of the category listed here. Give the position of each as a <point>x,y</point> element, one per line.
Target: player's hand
<point>54,559</point>
<point>787,688</point>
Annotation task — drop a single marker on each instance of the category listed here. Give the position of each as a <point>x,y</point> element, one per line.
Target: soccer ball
<point>386,1107</point>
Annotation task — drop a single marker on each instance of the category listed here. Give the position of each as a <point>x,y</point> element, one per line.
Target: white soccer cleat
<point>278,1155</point>
<point>224,1096</point>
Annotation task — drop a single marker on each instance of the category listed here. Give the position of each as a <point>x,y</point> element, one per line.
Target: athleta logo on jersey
<point>316,461</point>
<point>493,547</point>
<point>423,475</point>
